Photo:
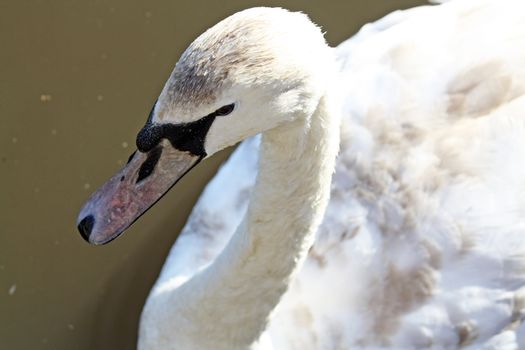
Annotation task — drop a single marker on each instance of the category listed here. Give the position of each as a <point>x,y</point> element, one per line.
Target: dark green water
<point>77,81</point>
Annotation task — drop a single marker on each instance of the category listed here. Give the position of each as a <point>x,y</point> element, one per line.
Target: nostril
<point>149,164</point>
<point>85,226</point>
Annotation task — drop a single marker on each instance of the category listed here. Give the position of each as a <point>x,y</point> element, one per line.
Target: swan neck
<point>234,297</point>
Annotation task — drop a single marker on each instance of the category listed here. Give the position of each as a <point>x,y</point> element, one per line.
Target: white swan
<point>422,245</point>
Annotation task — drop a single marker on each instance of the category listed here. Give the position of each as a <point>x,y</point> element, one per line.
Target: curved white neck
<point>227,305</point>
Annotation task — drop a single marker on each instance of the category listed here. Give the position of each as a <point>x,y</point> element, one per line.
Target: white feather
<point>422,245</point>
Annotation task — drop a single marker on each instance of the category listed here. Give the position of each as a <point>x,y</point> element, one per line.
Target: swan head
<point>254,71</point>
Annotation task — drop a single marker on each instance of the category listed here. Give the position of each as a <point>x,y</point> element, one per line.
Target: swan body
<point>415,242</point>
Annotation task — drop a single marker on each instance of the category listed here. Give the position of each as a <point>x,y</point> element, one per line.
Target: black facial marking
<point>187,137</point>
<point>225,110</point>
<point>122,178</point>
<point>149,136</point>
<point>149,164</point>
<point>131,157</point>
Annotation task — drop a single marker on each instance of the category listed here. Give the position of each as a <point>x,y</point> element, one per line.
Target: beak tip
<point>85,226</point>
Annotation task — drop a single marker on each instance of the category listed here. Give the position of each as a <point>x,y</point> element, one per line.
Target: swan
<point>377,202</point>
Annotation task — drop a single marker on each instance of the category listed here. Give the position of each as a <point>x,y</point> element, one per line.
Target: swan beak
<point>133,190</point>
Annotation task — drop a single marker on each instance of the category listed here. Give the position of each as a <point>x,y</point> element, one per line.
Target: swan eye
<point>225,110</point>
